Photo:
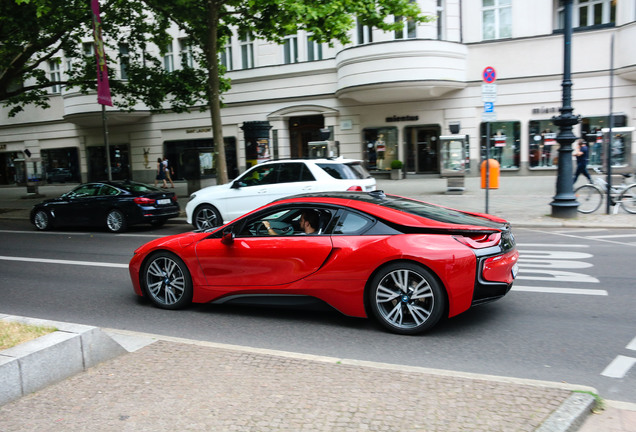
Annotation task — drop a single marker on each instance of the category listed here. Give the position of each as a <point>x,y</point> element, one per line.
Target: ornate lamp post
<point>564,204</point>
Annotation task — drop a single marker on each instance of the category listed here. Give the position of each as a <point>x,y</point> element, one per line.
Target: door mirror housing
<point>228,237</point>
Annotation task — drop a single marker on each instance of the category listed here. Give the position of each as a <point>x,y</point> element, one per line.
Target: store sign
<point>544,110</point>
<point>402,118</point>
<point>549,139</point>
<point>500,141</point>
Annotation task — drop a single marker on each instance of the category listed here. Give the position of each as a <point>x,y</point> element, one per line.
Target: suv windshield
<point>349,170</point>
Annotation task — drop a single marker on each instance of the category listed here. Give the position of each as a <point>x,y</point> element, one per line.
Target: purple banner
<point>103,87</point>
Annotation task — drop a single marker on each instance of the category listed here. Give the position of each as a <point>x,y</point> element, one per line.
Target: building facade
<point>386,96</point>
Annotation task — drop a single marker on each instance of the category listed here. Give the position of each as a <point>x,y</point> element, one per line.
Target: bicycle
<point>590,196</point>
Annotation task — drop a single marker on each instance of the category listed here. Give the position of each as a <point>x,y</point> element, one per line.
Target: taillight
<point>355,189</point>
<point>174,198</point>
<point>144,201</point>
<point>479,241</point>
<point>501,268</point>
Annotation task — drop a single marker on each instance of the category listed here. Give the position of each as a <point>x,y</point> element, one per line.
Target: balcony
<point>83,110</point>
<point>400,71</point>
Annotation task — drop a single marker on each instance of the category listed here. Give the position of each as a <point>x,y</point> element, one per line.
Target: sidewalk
<point>174,384</point>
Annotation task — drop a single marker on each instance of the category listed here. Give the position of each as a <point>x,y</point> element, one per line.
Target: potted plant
<point>396,169</point>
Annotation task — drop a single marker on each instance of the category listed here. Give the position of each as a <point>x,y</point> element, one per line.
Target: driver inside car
<point>309,221</point>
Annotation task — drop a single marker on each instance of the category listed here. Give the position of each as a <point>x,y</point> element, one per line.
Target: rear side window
<point>342,171</point>
<point>351,224</point>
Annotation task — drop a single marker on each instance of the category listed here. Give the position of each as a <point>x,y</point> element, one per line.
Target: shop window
<point>61,165</point>
<point>380,147</point>
<point>504,143</point>
<point>543,150</point>
<point>591,131</point>
<point>496,18</point>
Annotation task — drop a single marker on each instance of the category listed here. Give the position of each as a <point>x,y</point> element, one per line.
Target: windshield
<point>349,170</point>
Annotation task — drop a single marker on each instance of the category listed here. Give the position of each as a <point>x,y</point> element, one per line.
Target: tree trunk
<point>214,92</point>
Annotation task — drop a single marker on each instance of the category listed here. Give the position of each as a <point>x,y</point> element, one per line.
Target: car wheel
<point>205,217</point>
<point>116,221</point>
<point>406,299</point>
<point>42,220</point>
<point>167,282</point>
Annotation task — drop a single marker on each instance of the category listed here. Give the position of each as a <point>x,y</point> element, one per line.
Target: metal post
<point>487,162</point>
<point>564,204</point>
<point>608,203</point>
<point>105,127</point>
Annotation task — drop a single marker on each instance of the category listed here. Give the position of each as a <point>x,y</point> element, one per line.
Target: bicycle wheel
<point>628,199</point>
<point>589,197</point>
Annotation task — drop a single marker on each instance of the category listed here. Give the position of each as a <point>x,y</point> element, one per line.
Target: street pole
<point>608,203</point>
<point>564,204</point>
<point>107,147</point>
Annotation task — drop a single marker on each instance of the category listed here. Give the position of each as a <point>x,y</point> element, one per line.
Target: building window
<point>226,58</point>
<point>168,59</point>
<point>440,19</point>
<point>504,143</point>
<point>247,51</point>
<point>185,51</point>
<point>589,13</point>
<point>543,148</point>
<point>55,75</point>
<point>123,61</point>
<point>314,49</point>
<point>290,49</point>
<point>380,147</point>
<point>364,32</point>
<point>496,19</point>
<point>408,31</point>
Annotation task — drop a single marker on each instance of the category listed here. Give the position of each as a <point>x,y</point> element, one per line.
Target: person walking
<point>582,157</point>
<point>161,174</point>
<point>168,171</point>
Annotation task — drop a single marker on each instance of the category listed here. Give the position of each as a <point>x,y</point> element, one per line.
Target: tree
<point>211,22</point>
<point>35,34</point>
<point>61,24</point>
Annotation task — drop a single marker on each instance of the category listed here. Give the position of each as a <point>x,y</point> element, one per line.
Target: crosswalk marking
<point>552,290</point>
<point>619,367</point>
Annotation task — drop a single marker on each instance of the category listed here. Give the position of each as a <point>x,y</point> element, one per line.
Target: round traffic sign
<point>490,75</point>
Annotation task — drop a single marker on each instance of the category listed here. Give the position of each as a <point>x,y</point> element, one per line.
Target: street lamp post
<point>564,204</point>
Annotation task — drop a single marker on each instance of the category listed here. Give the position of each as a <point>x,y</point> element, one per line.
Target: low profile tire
<point>206,217</point>
<point>42,220</point>
<point>116,221</point>
<point>166,281</point>
<point>406,299</point>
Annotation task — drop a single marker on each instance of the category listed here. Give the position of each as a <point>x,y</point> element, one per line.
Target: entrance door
<point>422,146</point>
<point>303,130</point>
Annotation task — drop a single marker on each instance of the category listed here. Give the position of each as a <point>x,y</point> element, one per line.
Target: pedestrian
<point>582,156</point>
<point>161,174</point>
<point>168,171</point>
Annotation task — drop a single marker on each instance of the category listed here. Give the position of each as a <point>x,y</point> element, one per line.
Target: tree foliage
<point>35,32</point>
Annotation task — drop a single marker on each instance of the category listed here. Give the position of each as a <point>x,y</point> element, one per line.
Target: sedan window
<point>85,191</point>
<point>108,191</point>
<point>351,224</point>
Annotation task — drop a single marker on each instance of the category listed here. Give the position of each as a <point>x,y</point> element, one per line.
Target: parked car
<point>265,182</point>
<point>404,262</point>
<point>115,205</point>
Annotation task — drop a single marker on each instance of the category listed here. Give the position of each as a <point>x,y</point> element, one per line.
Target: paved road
<point>568,318</point>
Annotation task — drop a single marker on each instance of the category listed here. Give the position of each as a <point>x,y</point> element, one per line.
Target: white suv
<point>265,182</point>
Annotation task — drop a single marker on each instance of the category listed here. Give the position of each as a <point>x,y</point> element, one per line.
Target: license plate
<point>515,271</point>
<point>163,201</point>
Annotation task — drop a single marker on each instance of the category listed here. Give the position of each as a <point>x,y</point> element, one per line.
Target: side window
<point>352,223</point>
<point>261,175</point>
<point>85,191</point>
<point>108,190</point>
<point>305,174</point>
<point>289,172</point>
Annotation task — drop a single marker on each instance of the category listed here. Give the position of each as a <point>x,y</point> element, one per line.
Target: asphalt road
<point>569,318</point>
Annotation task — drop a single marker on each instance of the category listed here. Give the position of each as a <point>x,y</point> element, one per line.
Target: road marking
<point>619,367</point>
<point>556,276</point>
<point>562,264</point>
<point>552,245</point>
<point>65,262</point>
<point>551,290</point>
<point>620,236</point>
<point>632,345</point>
<point>66,233</point>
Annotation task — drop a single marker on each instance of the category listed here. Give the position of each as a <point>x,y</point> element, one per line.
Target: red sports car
<point>404,262</point>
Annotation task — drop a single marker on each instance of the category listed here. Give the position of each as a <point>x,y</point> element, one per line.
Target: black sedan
<point>115,205</point>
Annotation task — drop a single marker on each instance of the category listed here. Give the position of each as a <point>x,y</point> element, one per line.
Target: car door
<point>257,259</point>
<point>77,204</point>
<point>250,191</point>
